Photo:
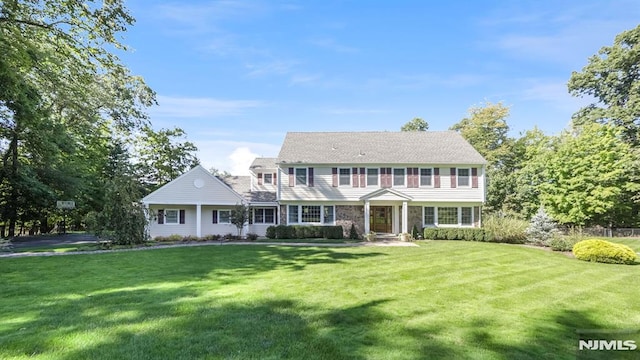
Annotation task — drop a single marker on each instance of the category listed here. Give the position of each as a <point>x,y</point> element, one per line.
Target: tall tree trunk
<point>12,204</point>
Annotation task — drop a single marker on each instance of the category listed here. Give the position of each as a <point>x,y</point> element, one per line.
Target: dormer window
<point>268,178</point>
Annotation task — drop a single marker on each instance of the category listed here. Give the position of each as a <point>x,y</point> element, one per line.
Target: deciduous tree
<point>612,78</point>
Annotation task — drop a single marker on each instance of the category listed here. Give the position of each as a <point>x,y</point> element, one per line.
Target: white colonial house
<point>385,182</point>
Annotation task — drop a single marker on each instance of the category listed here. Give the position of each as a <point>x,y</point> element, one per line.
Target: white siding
<point>185,190</point>
<point>323,189</point>
<point>209,228</point>
<point>186,229</point>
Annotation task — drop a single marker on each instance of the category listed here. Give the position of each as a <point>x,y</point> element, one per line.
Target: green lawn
<point>444,299</point>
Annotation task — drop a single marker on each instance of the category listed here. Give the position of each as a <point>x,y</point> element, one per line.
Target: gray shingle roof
<point>263,163</point>
<point>378,147</point>
<point>242,185</point>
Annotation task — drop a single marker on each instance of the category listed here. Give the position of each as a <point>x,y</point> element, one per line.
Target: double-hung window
<point>426,177</point>
<point>398,177</point>
<point>301,176</point>
<point>263,216</point>
<point>171,216</point>
<point>372,177</point>
<point>345,177</point>
<point>268,178</point>
<point>224,216</point>
<point>464,177</point>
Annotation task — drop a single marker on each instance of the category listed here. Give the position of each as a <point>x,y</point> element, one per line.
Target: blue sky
<point>237,75</point>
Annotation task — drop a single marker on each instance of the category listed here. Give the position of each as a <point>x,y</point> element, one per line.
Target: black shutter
<point>161,216</point>
<point>182,215</point>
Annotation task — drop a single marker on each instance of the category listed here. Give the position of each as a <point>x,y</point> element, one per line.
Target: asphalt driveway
<point>25,242</point>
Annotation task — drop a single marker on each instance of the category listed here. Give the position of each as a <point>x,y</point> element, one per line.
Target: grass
<point>444,299</point>
<point>312,241</point>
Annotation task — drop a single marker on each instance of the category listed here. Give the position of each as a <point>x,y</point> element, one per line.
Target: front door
<point>380,219</point>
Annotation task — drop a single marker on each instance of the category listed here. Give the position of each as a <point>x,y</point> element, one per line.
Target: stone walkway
<point>216,243</point>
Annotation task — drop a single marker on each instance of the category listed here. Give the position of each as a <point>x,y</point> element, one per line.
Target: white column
<point>367,216</point>
<point>396,219</point>
<point>405,217</point>
<point>198,220</point>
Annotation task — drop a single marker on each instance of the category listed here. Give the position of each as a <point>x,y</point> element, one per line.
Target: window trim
<point>306,176</point>
<point>166,222</point>
<point>264,216</point>
<point>377,184</point>
<point>404,177</point>
<point>468,177</point>
<point>264,179</point>
<point>436,216</point>
<point>299,215</point>
<point>431,177</point>
<point>340,177</point>
<point>219,218</point>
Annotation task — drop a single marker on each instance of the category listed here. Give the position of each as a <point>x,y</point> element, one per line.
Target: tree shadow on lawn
<point>87,273</point>
<point>553,337</point>
<point>178,323</point>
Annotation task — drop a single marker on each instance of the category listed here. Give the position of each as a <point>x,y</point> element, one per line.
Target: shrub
<point>467,234</point>
<point>174,238</point>
<point>430,233</point>
<point>271,232</point>
<point>353,234</point>
<point>332,232</point>
<point>230,236</point>
<point>604,252</point>
<point>506,229</point>
<point>284,232</point>
<point>541,228</point>
<point>190,238</point>
<point>211,237</point>
<point>252,236</point>
<point>414,232</point>
<point>562,243</point>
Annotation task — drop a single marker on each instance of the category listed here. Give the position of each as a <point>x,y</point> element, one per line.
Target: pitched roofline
<point>240,197</point>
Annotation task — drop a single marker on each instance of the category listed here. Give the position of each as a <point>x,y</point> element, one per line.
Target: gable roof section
<point>386,194</point>
<point>378,147</point>
<point>196,186</point>
<point>242,185</point>
<point>263,163</point>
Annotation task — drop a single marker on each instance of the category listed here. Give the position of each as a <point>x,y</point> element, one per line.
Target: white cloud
<point>233,156</point>
<point>185,107</point>
<point>241,158</point>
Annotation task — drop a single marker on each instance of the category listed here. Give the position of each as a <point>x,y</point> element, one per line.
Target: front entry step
<point>386,237</point>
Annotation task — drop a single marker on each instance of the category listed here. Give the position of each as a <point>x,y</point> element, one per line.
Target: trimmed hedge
<point>604,251</point>
<point>304,232</point>
<point>467,234</point>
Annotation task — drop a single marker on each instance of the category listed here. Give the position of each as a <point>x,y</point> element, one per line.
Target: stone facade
<point>350,214</point>
<point>284,220</point>
<point>415,218</point>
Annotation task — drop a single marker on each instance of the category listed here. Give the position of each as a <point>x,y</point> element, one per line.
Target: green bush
<point>562,243</point>
<point>332,232</point>
<point>506,229</point>
<point>271,232</point>
<point>467,234</point>
<point>284,232</point>
<point>252,236</point>
<point>353,234</point>
<point>430,233</point>
<point>414,232</point>
<point>604,251</point>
